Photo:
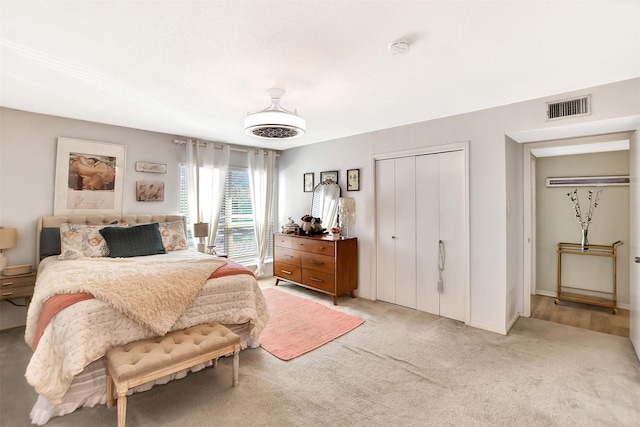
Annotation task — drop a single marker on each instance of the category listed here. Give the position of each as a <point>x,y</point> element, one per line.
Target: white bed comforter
<point>83,332</point>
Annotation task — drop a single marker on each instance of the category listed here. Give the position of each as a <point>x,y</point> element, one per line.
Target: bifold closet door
<point>441,199</point>
<point>396,231</point>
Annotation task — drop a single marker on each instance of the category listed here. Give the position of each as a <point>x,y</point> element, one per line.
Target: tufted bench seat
<point>146,360</point>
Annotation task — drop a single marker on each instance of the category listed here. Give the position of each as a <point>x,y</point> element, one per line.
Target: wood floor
<point>584,316</point>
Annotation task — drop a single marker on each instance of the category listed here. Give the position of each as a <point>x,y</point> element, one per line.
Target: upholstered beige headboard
<point>46,235</point>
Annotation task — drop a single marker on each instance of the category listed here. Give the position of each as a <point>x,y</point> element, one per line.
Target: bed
<point>95,292</point>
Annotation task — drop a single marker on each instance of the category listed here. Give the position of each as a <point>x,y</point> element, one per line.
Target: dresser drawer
<point>287,271</point>
<point>318,262</point>
<point>325,247</point>
<point>319,280</point>
<point>288,256</point>
<point>10,281</point>
<point>282,240</point>
<point>16,291</point>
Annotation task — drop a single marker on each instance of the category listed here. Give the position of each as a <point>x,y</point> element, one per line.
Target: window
<point>236,235</point>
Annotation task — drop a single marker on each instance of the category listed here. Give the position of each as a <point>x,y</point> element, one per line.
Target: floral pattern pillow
<point>173,237</point>
<point>82,240</point>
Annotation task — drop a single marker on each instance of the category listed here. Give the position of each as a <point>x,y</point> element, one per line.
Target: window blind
<point>235,236</point>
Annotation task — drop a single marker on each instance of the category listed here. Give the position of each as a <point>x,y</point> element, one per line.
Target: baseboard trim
<point>487,328</point>
<point>555,294</point>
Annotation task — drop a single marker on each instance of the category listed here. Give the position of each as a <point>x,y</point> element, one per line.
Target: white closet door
<point>385,230</point>
<point>453,299</point>
<point>427,232</point>
<point>405,236</point>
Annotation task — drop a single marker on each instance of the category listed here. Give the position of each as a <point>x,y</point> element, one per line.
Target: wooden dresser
<point>321,263</point>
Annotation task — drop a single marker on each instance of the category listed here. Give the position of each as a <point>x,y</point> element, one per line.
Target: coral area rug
<point>297,325</point>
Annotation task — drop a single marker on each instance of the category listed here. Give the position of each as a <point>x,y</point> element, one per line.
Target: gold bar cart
<point>610,251</point>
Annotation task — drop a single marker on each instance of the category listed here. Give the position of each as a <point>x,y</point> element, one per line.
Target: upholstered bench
<point>142,361</point>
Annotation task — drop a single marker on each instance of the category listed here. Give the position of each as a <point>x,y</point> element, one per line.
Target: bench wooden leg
<point>236,365</point>
<point>110,400</point>
<point>122,409</point>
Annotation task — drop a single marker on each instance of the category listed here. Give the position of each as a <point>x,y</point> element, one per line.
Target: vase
<point>585,238</point>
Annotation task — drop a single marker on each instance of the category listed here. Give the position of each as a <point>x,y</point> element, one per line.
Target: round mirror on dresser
<point>324,204</point>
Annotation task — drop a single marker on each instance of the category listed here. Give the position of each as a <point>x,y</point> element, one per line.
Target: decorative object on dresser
<point>346,213</point>
<point>8,240</point>
<point>320,263</point>
<point>18,286</point>
<point>290,227</point>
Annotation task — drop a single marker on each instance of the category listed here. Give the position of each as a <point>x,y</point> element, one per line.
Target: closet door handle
<point>441,262</point>
<point>637,259</point>
<point>441,256</point>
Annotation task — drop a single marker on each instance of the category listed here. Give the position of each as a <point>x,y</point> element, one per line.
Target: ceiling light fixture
<point>275,122</point>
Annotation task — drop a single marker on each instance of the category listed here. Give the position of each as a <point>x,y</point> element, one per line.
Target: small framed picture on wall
<point>353,179</point>
<point>329,175</point>
<point>308,182</point>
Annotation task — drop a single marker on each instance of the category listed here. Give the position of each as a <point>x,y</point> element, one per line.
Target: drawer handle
<point>313,279</point>
<point>7,284</point>
<point>6,294</point>
<point>287,256</point>
<point>286,272</point>
<point>322,248</point>
<point>316,262</point>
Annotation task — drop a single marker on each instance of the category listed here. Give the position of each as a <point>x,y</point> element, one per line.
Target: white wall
<point>556,222</point>
<point>26,192</point>
<point>496,277</point>
<point>514,209</point>
<point>634,273</point>
<point>27,174</point>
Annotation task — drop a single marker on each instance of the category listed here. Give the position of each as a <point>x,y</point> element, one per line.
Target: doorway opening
<point>549,219</point>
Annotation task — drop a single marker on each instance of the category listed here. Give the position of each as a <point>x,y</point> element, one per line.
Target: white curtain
<point>261,178</point>
<point>207,168</point>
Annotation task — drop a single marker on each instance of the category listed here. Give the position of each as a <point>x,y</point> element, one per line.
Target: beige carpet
<point>400,368</point>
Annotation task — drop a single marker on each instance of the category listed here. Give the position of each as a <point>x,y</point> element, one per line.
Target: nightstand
<point>18,286</point>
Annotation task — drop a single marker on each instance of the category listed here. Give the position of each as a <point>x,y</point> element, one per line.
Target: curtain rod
<point>179,141</point>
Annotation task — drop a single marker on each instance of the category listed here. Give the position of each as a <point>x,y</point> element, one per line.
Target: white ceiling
<point>196,68</point>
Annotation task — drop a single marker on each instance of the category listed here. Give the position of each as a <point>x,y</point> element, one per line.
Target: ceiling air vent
<point>569,108</point>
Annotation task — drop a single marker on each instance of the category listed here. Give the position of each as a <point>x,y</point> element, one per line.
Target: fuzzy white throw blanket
<point>153,290</point>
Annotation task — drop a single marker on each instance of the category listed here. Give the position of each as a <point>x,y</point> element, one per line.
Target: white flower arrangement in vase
<point>584,222</point>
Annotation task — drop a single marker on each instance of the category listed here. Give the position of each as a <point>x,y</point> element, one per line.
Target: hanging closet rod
<point>178,141</point>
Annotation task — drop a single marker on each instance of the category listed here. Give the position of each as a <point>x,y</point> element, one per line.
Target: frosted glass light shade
<point>275,122</point>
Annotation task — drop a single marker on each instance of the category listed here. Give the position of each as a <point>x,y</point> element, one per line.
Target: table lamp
<point>8,239</point>
<point>347,212</point>
<point>201,230</point>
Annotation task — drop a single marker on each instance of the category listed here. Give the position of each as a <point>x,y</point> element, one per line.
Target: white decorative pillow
<point>82,240</point>
<point>173,237</point>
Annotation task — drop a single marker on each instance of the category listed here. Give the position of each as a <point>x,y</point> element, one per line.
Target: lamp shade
<point>347,208</point>
<point>201,229</point>
<point>8,238</point>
